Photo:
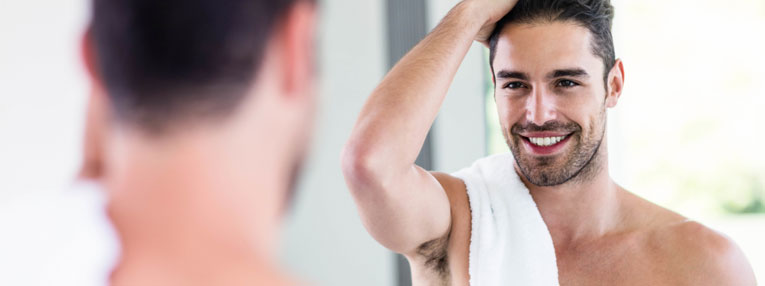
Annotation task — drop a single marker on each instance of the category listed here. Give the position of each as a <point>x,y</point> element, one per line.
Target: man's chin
<point>544,181</point>
<point>543,171</point>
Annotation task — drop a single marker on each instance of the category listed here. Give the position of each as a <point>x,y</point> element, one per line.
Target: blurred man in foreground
<point>196,127</point>
<point>547,214</point>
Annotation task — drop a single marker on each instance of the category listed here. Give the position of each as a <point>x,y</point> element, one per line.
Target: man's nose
<point>540,107</point>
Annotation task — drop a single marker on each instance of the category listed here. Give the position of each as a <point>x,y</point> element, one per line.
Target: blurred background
<point>686,134</point>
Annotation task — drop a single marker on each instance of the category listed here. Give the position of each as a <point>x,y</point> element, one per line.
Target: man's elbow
<point>358,165</point>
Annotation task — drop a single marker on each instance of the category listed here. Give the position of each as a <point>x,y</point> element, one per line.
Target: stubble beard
<point>580,164</point>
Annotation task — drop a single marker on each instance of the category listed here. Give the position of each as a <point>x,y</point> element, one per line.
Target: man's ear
<point>89,57</point>
<point>298,40</point>
<point>94,135</point>
<point>615,83</point>
<point>96,117</point>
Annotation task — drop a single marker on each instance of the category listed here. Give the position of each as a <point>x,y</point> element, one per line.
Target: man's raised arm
<point>401,204</point>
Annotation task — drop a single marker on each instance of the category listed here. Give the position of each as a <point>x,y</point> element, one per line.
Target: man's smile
<point>545,144</point>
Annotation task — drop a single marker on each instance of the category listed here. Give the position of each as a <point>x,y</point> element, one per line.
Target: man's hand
<point>491,11</point>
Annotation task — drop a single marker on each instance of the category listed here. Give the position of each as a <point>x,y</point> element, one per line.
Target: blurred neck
<point>196,207</point>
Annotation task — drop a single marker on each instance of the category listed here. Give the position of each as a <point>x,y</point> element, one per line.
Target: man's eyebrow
<point>574,72</point>
<point>505,74</point>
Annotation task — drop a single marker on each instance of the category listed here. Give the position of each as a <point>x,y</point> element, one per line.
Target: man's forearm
<point>396,118</point>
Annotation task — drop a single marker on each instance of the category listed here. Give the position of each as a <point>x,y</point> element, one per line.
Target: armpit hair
<point>436,258</point>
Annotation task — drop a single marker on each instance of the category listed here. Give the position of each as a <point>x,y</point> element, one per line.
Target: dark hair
<point>162,60</point>
<point>595,15</point>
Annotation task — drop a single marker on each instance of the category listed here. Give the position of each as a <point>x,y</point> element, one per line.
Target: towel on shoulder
<point>509,242</point>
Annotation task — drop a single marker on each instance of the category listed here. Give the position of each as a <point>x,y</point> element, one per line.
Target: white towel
<point>509,241</point>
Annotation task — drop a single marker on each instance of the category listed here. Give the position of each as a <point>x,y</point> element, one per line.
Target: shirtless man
<point>197,124</point>
<point>555,75</point>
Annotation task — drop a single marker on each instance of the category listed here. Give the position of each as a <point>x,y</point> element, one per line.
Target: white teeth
<point>545,141</point>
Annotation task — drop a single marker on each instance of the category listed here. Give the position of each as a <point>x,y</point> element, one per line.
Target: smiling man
<point>550,212</point>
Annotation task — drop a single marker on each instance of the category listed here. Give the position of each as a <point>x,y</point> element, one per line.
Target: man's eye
<point>566,83</point>
<point>514,85</point>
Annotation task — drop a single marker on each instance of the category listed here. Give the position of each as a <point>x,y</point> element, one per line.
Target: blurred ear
<point>298,40</point>
<point>96,118</point>
<point>615,83</point>
<point>88,56</point>
<point>96,122</point>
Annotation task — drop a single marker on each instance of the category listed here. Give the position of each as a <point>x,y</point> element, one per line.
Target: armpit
<point>436,256</point>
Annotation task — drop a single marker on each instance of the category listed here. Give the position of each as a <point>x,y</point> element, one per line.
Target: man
<point>555,74</point>
<point>196,126</point>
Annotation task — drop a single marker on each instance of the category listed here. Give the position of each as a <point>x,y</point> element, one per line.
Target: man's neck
<point>188,206</point>
<point>581,209</point>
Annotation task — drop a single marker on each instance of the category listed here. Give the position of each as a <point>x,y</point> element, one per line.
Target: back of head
<point>595,15</point>
<point>170,60</point>
<point>159,66</point>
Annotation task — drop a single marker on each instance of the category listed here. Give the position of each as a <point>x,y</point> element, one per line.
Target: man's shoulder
<point>699,254</point>
<point>456,191</point>
<point>691,238</point>
<point>685,250</point>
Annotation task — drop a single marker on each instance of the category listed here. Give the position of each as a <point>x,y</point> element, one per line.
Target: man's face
<point>550,96</point>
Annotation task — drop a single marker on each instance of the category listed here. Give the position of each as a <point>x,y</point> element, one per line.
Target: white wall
<point>460,130</point>
<point>42,94</point>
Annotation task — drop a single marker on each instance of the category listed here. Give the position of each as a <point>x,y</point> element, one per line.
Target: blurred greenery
<point>750,198</point>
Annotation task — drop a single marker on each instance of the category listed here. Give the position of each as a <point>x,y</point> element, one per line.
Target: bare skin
<point>603,234</point>
<point>202,203</point>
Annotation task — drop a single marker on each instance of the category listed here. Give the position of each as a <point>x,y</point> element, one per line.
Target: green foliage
<point>749,199</point>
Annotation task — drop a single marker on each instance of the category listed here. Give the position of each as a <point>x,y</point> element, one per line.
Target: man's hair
<point>595,15</point>
<point>163,60</point>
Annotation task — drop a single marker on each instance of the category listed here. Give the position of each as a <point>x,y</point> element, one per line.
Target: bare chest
<point>613,263</point>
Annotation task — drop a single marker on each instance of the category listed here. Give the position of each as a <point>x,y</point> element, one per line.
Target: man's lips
<point>544,134</point>
<point>545,143</point>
